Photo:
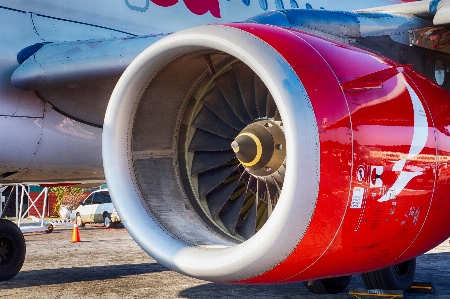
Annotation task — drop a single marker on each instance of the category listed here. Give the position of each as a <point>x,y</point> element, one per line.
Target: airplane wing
<point>78,77</point>
<point>438,11</point>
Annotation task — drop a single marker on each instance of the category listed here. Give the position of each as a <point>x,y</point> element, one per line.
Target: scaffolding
<point>25,223</point>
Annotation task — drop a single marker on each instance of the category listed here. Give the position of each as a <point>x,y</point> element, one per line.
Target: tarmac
<point>109,264</point>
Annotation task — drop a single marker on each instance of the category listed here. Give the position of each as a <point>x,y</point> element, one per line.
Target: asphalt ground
<point>109,264</point>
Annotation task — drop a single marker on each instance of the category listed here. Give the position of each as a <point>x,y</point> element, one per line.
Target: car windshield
<point>102,197</point>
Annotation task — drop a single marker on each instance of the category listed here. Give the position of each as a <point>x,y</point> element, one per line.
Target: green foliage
<point>66,196</point>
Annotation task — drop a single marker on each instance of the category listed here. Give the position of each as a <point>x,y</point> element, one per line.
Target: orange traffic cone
<point>75,233</point>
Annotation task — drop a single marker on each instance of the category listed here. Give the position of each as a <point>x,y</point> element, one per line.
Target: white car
<point>96,208</point>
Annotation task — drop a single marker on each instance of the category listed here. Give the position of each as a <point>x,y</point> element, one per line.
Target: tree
<point>66,196</point>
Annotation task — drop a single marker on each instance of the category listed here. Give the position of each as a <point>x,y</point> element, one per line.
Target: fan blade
<point>205,141</point>
<point>244,76</point>
<point>271,107</point>
<point>215,102</point>
<point>210,179</point>
<point>229,88</point>
<point>278,183</point>
<point>230,213</point>
<point>245,175</point>
<point>248,227</point>
<point>204,161</point>
<point>272,193</point>
<point>281,172</point>
<point>219,196</point>
<point>261,216</point>
<point>260,96</point>
<point>257,187</point>
<point>262,188</point>
<point>251,184</point>
<point>250,199</point>
<point>208,121</point>
<point>277,116</point>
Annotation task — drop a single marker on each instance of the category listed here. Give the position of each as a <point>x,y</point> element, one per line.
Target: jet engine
<point>258,154</point>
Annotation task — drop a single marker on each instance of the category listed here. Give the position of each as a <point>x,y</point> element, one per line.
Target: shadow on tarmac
<point>245,291</point>
<point>79,274</point>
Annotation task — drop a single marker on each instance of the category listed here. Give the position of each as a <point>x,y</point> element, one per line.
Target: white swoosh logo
<point>420,136</point>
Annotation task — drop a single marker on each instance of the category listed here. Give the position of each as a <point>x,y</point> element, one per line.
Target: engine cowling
<point>258,154</point>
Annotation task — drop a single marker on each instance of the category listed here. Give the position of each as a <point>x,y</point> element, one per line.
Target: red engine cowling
<point>259,154</point>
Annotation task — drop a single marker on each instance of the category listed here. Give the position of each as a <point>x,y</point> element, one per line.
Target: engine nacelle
<point>253,153</point>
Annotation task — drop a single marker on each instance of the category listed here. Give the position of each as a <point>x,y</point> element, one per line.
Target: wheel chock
<point>376,293</point>
<point>422,288</point>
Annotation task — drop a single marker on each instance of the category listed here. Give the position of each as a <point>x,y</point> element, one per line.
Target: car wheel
<point>12,250</point>
<point>107,220</point>
<point>79,221</point>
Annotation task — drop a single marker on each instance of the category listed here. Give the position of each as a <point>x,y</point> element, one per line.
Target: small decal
<point>375,176</point>
<point>360,174</point>
<point>357,198</point>
<point>412,217</point>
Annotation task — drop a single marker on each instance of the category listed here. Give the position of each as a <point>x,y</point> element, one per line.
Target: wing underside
<point>436,10</point>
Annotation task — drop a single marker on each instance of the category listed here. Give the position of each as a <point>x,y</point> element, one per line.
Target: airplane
<point>248,142</point>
